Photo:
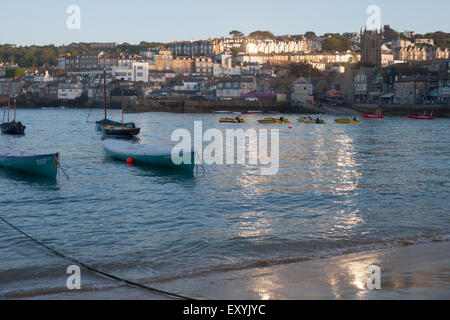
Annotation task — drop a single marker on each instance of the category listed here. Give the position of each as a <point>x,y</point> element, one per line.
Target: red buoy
<point>130,161</point>
<point>290,127</point>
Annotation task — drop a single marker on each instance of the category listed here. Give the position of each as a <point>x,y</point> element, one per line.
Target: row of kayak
<point>287,121</point>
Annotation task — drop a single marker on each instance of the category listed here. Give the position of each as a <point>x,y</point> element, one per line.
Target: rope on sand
<point>59,254</point>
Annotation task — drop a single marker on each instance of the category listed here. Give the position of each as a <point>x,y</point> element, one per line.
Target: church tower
<point>371,41</point>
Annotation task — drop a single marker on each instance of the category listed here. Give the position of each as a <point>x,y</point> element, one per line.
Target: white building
<point>130,70</point>
<point>69,91</point>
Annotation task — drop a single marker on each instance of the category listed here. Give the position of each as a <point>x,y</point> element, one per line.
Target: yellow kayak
<point>303,120</point>
<point>312,121</point>
<point>232,120</point>
<point>346,121</point>
<point>274,121</point>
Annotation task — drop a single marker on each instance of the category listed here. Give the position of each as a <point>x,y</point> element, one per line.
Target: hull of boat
<point>40,165</point>
<point>101,123</point>
<point>155,156</point>
<point>120,131</point>
<point>13,128</point>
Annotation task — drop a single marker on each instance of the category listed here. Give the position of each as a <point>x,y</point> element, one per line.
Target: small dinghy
<point>42,165</point>
<point>151,155</point>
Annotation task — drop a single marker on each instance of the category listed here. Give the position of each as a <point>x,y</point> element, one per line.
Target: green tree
<point>236,34</point>
<point>235,51</point>
<point>336,42</point>
<point>262,35</point>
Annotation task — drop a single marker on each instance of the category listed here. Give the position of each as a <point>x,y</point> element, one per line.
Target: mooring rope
<point>59,254</point>
<point>58,163</point>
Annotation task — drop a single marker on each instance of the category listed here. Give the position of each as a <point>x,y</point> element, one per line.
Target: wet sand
<point>409,272</point>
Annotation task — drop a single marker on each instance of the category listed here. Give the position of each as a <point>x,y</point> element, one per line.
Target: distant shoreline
<point>237,106</point>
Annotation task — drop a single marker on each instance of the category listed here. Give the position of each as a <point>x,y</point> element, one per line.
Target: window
<point>140,74</point>
<point>140,68</point>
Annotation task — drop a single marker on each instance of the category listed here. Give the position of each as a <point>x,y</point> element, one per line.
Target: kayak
<point>347,121</point>
<point>151,155</point>
<point>372,116</point>
<point>232,120</point>
<point>315,121</point>
<point>421,117</point>
<point>274,121</point>
<point>42,165</point>
<point>311,121</point>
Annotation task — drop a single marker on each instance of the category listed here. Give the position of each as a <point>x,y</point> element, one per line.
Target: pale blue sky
<point>44,22</point>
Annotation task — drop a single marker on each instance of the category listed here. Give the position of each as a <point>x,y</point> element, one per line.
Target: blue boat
<point>151,155</point>
<point>106,122</point>
<point>42,165</point>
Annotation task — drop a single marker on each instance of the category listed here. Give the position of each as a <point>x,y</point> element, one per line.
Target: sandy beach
<point>409,272</point>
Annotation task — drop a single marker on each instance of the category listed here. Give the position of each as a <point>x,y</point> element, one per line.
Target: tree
<point>336,42</point>
<point>262,35</point>
<point>303,70</point>
<point>390,34</point>
<point>235,51</point>
<point>310,35</point>
<point>236,34</point>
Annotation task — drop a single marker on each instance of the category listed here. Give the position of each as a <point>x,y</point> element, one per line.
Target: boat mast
<point>104,90</point>
<point>122,109</point>
<point>9,98</point>
<point>14,110</point>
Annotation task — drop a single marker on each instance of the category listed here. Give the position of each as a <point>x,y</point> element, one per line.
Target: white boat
<point>152,155</point>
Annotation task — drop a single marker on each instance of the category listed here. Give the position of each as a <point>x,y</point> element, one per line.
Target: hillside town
<point>369,67</point>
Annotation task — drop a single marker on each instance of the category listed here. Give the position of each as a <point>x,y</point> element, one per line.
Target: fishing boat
<point>120,130</point>
<point>347,121</point>
<point>107,122</point>
<point>378,115</point>
<point>422,117</point>
<point>12,128</point>
<point>274,121</point>
<point>151,155</point>
<point>42,165</point>
<point>232,120</point>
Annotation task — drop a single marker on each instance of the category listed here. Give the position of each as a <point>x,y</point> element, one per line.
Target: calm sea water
<point>340,188</point>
